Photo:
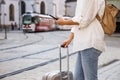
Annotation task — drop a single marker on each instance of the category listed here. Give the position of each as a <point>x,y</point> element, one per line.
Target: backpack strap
<point>97,16</point>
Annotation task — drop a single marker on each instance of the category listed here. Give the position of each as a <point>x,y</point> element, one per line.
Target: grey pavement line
<point>109,76</point>
<point>110,62</point>
<point>21,45</point>
<point>109,67</point>
<point>15,32</point>
<point>32,67</point>
<point>10,31</point>
<point>2,39</point>
<point>28,55</point>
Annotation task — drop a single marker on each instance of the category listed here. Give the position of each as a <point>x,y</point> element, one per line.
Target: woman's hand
<point>60,21</point>
<point>65,43</point>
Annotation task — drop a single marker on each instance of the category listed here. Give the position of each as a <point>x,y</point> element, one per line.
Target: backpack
<point>108,20</point>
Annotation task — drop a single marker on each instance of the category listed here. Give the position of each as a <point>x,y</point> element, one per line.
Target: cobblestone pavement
<point>27,44</point>
<point>111,72</point>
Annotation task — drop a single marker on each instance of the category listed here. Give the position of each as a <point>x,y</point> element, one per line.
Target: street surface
<point>28,56</point>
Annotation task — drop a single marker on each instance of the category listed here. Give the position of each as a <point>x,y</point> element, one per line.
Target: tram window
<point>26,20</point>
<point>35,20</point>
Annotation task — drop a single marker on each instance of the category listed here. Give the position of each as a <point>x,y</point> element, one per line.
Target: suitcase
<point>60,75</point>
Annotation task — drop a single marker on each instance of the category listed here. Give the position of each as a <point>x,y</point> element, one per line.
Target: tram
<point>33,22</point>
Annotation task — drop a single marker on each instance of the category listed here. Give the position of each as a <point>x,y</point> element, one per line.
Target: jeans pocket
<point>98,52</point>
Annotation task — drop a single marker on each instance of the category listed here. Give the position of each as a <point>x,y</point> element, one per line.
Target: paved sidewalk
<point>111,54</point>
<point>11,36</point>
<point>37,73</point>
<point>112,49</point>
<point>111,72</point>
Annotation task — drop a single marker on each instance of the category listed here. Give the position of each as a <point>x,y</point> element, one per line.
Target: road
<point>33,50</point>
<point>28,56</point>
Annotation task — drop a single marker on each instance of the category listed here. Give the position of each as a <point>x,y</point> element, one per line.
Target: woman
<point>88,37</point>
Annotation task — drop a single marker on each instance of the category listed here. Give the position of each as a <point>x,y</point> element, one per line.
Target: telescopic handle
<point>60,59</point>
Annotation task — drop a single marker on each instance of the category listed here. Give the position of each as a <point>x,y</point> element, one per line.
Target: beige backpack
<point>108,21</point>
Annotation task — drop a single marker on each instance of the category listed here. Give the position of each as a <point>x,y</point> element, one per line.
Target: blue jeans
<point>87,64</point>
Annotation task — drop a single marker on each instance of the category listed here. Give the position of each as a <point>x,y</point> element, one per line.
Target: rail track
<point>31,67</point>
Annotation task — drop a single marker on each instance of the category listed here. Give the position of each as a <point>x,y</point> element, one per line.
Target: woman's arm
<point>61,21</point>
<point>68,41</point>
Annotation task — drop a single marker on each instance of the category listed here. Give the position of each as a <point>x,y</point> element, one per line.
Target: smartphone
<point>53,17</point>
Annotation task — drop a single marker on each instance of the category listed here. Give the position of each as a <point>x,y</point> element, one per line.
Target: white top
<point>89,33</point>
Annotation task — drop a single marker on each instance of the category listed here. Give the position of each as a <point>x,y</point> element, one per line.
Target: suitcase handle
<point>60,60</point>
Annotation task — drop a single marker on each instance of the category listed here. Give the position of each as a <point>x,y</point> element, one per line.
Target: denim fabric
<point>87,64</point>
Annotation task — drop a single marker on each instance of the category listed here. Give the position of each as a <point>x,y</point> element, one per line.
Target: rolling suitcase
<point>60,75</point>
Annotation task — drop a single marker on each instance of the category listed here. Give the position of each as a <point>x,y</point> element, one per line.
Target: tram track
<point>30,43</point>
<point>32,67</point>
<point>22,45</point>
<point>28,55</point>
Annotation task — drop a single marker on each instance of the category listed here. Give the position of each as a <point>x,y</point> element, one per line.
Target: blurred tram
<point>33,22</point>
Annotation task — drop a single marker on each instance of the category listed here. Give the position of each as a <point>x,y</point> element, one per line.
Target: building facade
<point>11,12</point>
<point>71,4</point>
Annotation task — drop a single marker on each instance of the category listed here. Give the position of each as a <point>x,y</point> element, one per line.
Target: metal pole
<point>0,17</point>
<point>19,14</point>
<point>5,27</point>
